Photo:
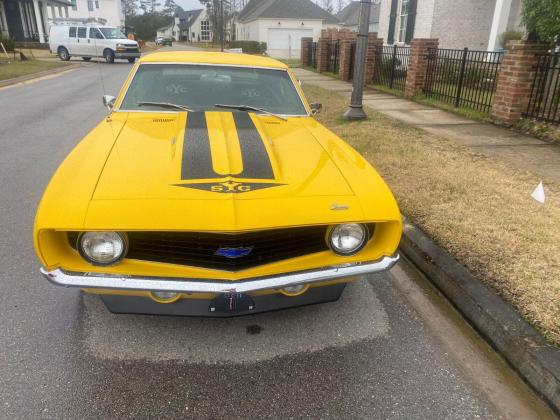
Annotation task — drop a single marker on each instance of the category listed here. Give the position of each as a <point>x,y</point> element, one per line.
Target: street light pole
<point>356,109</point>
<point>223,24</point>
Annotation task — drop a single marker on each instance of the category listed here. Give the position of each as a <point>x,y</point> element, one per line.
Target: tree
<point>169,8</point>
<point>542,19</point>
<point>220,16</point>
<point>149,6</point>
<point>146,25</point>
<point>340,4</point>
<point>130,8</point>
<point>327,5</point>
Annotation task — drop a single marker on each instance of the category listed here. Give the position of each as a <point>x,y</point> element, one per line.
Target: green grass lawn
<point>22,68</point>
<point>477,208</point>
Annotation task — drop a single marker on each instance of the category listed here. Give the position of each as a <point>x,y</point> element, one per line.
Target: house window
<point>204,30</point>
<point>90,5</point>
<point>97,4</point>
<point>403,20</point>
<point>74,5</point>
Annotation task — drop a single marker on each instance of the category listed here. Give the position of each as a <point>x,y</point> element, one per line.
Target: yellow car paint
<point>125,175</point>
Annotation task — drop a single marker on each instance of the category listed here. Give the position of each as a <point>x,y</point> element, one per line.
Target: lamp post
<point>356,109</point>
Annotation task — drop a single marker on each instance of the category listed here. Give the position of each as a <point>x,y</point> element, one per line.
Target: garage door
<point>286,43</point>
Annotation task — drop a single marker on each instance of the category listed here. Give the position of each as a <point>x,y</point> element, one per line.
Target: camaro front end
<point>210,190</point>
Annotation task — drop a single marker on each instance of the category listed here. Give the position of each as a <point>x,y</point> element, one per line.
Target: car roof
<point>205,57</point>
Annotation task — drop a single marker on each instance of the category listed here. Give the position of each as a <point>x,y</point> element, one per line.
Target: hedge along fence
<point>249,47</point>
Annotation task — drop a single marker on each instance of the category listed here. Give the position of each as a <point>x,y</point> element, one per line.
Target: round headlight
<point>348,239</point>
<point>101,248</point>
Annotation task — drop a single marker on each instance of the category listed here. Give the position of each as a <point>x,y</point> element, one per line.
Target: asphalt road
<point>390,348</point>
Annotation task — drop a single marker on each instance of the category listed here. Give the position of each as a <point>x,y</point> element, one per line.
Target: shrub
<point>9,43</point>
<point>510,36</point>
<point>249,47</point>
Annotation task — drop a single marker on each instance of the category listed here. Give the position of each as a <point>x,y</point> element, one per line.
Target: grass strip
<point>477,208</point>
<point>23,68</point>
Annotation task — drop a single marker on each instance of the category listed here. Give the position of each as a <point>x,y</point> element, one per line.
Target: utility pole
<point>356,110</point>
<point>223,24</point>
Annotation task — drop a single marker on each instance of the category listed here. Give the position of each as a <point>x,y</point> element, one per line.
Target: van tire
<point>131,60</point>
<point>86,58</point>
<point>109,56</point>
<point>63,54</point>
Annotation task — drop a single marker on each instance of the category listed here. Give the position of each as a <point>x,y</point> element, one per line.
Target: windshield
<point>112,33</point>
<point>201,87</point>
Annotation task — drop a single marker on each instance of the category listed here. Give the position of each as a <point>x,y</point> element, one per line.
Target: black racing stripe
<point>256,162</point>
<point>197,158</point>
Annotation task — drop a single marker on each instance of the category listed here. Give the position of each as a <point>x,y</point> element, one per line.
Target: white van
<point>88,41</point>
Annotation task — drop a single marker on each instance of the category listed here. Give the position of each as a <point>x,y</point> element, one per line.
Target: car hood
<point>217,156</point>
<point>229,168</point>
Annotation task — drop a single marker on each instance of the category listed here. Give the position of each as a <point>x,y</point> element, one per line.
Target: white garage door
<point>286,43</point>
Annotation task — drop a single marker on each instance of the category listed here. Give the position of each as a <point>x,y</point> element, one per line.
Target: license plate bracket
<point>231,302</point>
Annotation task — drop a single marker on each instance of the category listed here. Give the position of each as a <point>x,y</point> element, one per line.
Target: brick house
<point>476,24</point>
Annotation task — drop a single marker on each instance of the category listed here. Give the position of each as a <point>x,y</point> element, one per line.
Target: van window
<point>72,32</point>
<point>95,34</point>
<point>82,32</point>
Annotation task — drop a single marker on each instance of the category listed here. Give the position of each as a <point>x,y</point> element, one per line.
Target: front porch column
<point>44,16</point>
<point>39,23</point>
<point>499,23</point>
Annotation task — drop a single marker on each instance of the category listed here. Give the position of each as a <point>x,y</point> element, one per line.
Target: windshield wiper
<point>165,105</point>
<point>250,108</point>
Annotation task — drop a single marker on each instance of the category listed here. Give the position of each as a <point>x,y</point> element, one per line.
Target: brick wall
<point>375,45</point>
<point>305,46</point>
<point>418,64</point>
<point>515,80</point>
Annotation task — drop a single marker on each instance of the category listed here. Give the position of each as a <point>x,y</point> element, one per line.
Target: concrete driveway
<point>390,348</point>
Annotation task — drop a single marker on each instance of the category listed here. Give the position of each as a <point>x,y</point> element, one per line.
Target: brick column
<point>323,54</point>
<point>418,65</point>
<point>305,46</point>
<point>345,59</point>
<point>515,79</point>
<point>373,44</point>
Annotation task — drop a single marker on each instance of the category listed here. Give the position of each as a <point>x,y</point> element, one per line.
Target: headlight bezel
<point>366,238</point>
<point>92,261</point>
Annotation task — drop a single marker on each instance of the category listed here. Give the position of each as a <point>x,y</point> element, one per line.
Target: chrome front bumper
<point>190,285</point>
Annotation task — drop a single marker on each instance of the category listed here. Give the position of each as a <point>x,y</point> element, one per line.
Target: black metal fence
<point>544,102</point>
<point>464,78</point>
<point>312,55</point>
<point>334,56</point>
<point>352,59</point>
<point>391,66</point>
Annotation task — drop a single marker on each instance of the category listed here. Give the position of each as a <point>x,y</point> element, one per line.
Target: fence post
<point>515,80</point>
<point>419,60</point>
<point>371,62</point>
<point>344,60</point>
<point>305,48</point>
<point>461,78</point>
<point>393,65</point>
<point>322,54</point>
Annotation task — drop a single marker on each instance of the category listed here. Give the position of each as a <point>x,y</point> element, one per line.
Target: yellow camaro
<point>210,190</point>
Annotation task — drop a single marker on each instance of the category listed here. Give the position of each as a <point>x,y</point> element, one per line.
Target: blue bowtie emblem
<point>239,252</point>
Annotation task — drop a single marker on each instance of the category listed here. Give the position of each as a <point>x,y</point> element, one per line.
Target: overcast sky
<point>188,4</point>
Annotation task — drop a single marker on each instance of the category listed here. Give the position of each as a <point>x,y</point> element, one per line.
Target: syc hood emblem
<point>233,253</point>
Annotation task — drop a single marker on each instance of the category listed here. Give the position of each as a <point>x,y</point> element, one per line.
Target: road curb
<point>27,77</point>
<point>537,361</point>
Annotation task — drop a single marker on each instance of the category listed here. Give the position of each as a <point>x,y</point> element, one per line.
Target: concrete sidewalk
<point>525,152</point>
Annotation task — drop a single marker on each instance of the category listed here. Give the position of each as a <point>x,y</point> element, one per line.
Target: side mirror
<point>315,108</point>
<point>109,101</point>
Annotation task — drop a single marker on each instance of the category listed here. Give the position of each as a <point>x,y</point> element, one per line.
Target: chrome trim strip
<point>188,285</point>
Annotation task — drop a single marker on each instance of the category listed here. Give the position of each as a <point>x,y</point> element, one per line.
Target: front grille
<point>199,249</point>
